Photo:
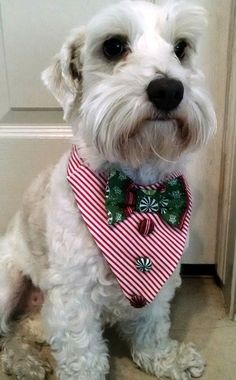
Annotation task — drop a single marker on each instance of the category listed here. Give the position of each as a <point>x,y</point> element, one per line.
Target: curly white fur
<point>113,122</point>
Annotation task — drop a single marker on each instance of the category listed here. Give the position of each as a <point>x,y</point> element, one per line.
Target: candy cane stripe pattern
<point>141,262</point>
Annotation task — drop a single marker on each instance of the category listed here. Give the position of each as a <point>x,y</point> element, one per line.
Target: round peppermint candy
<point>144,264</point>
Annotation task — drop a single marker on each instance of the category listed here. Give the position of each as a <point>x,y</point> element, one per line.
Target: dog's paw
<point>190,361</point>
<point>27,367</point>
<point>187,364</point>
<point>176,362</point>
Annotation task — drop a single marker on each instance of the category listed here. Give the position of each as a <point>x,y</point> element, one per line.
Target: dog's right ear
<point>64,76</point>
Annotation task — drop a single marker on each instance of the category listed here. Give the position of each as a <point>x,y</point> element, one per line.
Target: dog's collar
<point>143,250</point>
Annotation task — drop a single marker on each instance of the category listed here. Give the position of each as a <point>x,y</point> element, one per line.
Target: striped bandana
<point>142,250</point>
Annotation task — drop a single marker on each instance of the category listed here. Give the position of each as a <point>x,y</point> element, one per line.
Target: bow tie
<point>169,199</point>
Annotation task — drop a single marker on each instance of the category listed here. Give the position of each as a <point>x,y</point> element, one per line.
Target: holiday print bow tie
<point>123,197</point>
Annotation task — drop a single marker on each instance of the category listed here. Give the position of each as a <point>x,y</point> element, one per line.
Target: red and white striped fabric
<point>123,244</point>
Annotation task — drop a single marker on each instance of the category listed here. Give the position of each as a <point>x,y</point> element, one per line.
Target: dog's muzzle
<point>165,93</point>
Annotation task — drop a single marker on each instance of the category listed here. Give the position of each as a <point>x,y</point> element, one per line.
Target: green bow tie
<point>122,197</point>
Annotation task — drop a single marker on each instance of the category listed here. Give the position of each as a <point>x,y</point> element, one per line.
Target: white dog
<point>130,89</point>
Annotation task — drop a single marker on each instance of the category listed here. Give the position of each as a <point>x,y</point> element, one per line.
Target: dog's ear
<point>64,76</point>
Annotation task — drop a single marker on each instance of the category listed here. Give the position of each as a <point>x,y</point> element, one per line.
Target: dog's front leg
<point>151,347</point>
<point>74,331</point>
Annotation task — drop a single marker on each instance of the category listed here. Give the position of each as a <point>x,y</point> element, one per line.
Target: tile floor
<point>198,315</point>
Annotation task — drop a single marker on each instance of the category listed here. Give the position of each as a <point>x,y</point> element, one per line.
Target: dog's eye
<point>114,48</point>
<point>180,49</point>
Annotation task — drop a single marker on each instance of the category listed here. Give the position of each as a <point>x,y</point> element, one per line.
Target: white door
<point>32,134</point>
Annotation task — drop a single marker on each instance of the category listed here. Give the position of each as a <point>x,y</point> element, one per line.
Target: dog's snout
<point>165,93</point>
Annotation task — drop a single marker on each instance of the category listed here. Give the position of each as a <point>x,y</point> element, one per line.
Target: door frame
<point>226,247</point>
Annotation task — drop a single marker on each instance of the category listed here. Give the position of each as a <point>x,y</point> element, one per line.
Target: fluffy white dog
<point>129,87</point>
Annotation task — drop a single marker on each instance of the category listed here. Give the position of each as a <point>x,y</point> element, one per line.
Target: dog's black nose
<point>165,93</point>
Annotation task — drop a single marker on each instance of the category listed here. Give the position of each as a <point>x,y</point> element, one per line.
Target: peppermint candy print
<point>164,202</point>
<point>148,204</point>
<point>144,264</point>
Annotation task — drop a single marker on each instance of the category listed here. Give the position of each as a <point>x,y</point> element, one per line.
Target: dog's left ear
<point>64,76</point>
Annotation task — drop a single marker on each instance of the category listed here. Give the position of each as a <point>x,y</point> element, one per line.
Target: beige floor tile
<point>198,315</point>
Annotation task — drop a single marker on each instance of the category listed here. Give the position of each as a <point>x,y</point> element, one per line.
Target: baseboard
<point>198,270</point>
<point>201,270</point>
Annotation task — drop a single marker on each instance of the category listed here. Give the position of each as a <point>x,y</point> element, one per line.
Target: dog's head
<point>129,85</point>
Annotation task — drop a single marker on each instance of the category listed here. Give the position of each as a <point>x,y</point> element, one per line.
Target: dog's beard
<point>124,126</point>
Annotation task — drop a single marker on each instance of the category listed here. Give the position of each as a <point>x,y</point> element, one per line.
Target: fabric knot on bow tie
<point>169,199</point>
